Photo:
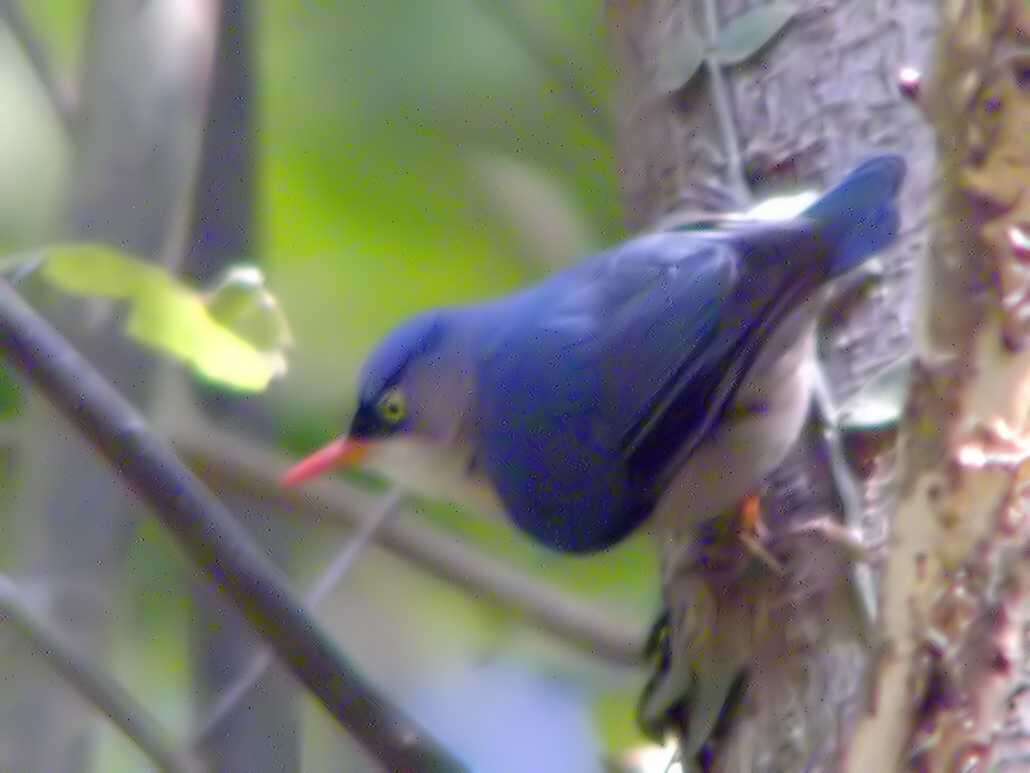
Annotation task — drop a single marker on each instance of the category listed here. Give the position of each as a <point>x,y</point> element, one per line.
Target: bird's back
<point>572,366</point>
<point>597,385</point>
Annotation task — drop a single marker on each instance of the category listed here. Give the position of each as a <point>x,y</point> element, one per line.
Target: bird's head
<point>411,389</point>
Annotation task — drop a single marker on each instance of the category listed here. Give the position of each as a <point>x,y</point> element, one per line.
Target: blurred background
<point>375,159</point>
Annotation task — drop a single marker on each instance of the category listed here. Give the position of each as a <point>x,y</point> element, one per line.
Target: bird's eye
<point>392,406</point>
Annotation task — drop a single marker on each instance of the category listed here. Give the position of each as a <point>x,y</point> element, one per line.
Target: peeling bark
<point>951,692</point>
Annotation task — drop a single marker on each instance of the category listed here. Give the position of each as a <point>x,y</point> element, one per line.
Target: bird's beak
<point>344,452</point>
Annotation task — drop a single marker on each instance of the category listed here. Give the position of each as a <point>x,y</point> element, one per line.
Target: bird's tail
<point>859,217</point>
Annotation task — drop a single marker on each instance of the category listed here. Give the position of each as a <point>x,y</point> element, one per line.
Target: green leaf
<point>746,35</point>
<point>880,403</point>
<point>679,60</point>
<point>239,343</point>
<point>98,271</point>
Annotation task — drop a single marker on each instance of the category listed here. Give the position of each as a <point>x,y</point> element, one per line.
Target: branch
<point>211,537</point>
<point>720,91</point>
<point>261,661</point>
<point>142,84</point>
<point>13,16</point>
<point>224,461</point>
<point>950,691</point>
<point>128,715</point>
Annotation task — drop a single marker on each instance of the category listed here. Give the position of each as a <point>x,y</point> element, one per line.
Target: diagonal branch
<point>130,716</point>
<point>261,661</point>
<point>14,17</point>
<point>222,460</point>
<point>225,461</point>
<point>212,538</point>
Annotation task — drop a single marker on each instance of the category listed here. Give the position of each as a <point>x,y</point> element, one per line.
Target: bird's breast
<point>750,441</point>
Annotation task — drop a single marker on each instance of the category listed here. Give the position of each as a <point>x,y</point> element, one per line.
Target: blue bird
<point>662,378</point>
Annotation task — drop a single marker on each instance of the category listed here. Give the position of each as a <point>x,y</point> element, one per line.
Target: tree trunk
<point>952,692</point>
<point>805,108</point>
<point>135,140</point>
<point>262,734</point>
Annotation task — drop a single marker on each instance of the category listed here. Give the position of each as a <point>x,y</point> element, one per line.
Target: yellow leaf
<point>173,318</point>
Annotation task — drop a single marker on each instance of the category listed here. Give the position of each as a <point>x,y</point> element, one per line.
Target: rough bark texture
<point>952,689</point>
<point>821,96</point>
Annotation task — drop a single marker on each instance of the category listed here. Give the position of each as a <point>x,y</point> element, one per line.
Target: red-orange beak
<point>340,453</point>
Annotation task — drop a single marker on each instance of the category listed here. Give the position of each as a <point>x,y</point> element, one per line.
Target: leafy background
<point>411,155</point>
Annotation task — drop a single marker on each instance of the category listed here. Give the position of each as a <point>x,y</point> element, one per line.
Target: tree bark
<point>951,689</point>
<point>811,104</point>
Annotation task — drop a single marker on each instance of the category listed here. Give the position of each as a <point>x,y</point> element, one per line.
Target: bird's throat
<point>440,472</point>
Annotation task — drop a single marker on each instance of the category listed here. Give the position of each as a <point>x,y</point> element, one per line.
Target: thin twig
<point>720,91</point>
<point>852,505</point>
<point>223,460</point>
<point>35,54</point>
<point>509,18</point>
<point>210,535</point>
<point>261,661</point>
<point>91,682</point>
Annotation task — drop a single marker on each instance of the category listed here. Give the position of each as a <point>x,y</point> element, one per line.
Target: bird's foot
<point>753,533</point>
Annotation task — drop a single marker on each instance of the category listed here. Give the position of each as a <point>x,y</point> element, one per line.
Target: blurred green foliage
<point>233,335</point>
<point>383,123</point>
<point>411,155</point>
<point>388,128</point>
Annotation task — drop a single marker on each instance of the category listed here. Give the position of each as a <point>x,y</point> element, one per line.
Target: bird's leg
<point>752,532</point>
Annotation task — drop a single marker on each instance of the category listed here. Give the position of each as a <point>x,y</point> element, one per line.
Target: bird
<point>657,382</point>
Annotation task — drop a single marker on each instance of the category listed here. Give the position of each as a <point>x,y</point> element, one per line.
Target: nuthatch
<point>662,378</point>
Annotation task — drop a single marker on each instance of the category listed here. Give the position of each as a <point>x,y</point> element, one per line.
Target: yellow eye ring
<point>392,406</point>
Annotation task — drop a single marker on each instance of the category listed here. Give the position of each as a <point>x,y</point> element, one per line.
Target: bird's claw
<point>753,534</point>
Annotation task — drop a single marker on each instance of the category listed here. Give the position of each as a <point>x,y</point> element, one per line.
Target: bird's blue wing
<point>663,331</point>
<point>781,263</point>
<point>569,375</point>
<point>597,383</point>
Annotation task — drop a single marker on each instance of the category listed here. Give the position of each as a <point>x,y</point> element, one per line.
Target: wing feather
<point>560,389</point>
